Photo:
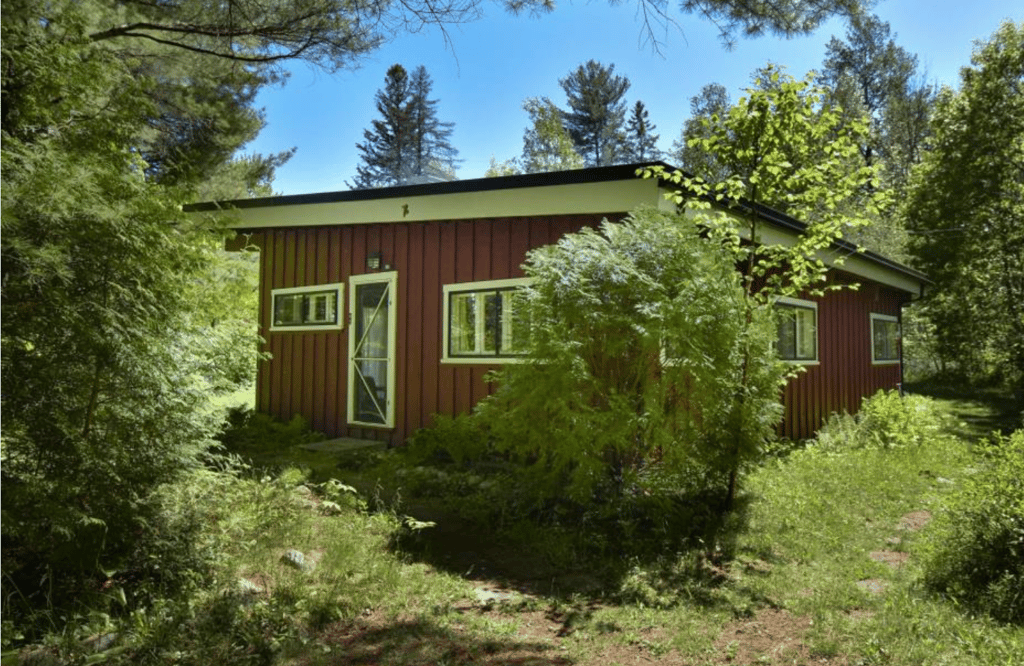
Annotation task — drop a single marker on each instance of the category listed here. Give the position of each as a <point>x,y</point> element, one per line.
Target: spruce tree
<point>433,156</point>
<point>597,112</point>
<point>641,141</point>
<point>407,143</point>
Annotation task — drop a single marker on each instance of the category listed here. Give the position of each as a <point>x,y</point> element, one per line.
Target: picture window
<point>483,321</point>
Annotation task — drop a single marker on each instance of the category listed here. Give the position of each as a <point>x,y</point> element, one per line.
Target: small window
<point>797,330</point>
<point>312,308</point>
<point>483,321</point>
<point>885,335</point>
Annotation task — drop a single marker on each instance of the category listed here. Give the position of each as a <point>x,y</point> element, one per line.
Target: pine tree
<point>407,144</point>
<point>597,112</point>
<point>641,141</point>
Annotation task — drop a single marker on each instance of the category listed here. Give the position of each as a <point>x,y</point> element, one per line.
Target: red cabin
<point>377,305</point>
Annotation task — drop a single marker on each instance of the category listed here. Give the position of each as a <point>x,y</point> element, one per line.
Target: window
<point>482,323</point>
<point>312,308</point>
<point>885,335</point>
<point>798,330</point>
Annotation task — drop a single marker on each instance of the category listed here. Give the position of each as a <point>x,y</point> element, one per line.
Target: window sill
<point>482,360</point>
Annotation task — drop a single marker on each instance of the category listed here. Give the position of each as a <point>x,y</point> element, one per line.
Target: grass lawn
<point>825,569</point>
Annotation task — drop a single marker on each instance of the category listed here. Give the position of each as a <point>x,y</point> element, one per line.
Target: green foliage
<point>248,432</point>
<point>643,359</point>
<point>706,110</point>
<point>597,112</point>
<point>783,147</point>
<point>785,18</point>
<point>547,145</point>
<point>886,420</point>
<point>965,210</point>
<point>975,554</point>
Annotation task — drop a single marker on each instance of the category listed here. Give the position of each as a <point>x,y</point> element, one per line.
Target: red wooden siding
<point>844,374</point>
<point>308,373</point>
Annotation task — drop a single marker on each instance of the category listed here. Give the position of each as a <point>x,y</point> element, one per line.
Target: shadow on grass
<point>982,409</point>
<point>688,551</point>
<point>418,642</point>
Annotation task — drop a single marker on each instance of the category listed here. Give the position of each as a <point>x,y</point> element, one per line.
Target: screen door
<point>371,344</point>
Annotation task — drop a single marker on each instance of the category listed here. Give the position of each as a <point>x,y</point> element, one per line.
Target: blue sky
<point>486,70</point>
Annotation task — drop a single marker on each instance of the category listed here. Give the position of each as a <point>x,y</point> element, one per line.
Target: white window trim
<point>391,278</point>
<point>337,287</point>
<point>881,317</point>
<point>812,305</point>
<point>459,287</point>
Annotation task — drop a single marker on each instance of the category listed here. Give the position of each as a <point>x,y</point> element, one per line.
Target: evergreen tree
<point>407,143</point>
<point>707,109</point>
<point>597,112</point>
<point>433,156</point>
<point>867,71</point>
<point>641,141</point>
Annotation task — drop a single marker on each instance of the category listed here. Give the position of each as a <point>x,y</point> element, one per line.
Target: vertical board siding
<point>308,373</point>
<point>844,374</point>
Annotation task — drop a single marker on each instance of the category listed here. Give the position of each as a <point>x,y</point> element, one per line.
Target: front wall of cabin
<point>308,371</point>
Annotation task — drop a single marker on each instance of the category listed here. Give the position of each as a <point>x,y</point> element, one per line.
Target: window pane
<point>490,322</point>
<point>797,333</point>
<point>511,324</point>
<point>288,309</point>
<point>807,337</point>
<point>322,307</point>
<point>885,340</point>
<point>787,333</point>
<point>462,324</point>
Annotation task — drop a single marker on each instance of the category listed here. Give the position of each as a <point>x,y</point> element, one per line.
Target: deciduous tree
<point>547,145</point>
<point>966,213</point>
<point>772,141</point>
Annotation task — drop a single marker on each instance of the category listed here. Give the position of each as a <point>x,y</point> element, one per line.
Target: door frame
<point>391,278</point>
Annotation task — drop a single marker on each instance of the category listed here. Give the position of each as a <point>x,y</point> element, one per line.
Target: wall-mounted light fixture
<point>373,261</point>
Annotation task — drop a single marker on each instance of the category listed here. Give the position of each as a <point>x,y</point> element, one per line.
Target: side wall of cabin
<point>308,373</point>
<point>845,373</point>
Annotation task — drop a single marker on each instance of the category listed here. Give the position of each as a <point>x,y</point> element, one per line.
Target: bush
<point>975,553</point>
<point>886,420</point>
<point>644,352</point>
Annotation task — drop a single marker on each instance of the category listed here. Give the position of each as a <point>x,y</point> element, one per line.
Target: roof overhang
<point>596,191</point>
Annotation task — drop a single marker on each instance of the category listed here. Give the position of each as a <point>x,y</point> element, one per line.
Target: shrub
<point>975,553</point>
<point>644,353</point>
<point>886,420</point>
<point>249,432</point>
